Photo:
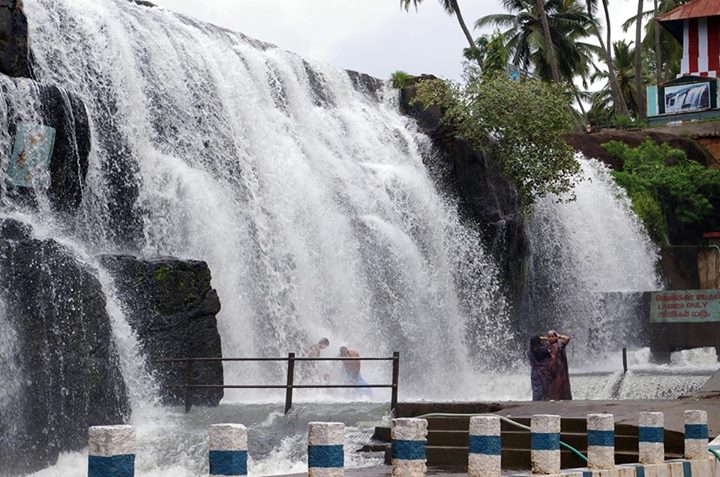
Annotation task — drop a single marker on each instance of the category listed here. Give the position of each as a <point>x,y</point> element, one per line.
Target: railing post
<point>188,383</point>
<point>290,380</point>
<point>624,360</point>
<point>395,379</point>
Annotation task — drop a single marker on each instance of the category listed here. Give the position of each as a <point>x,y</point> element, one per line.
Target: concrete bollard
<point>485,447</point>
<point>326,455</point>
<point>228,449</point>
<point>696,435</point>
<point>408,447</point>
<point>651,437</point>
<point>601,441</point>
<point>545,444</point>
<point>111,451</point>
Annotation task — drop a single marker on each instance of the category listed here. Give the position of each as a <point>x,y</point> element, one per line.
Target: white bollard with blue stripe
<point>696,435</point>
<point>409,437</point>
<point>545,444</point>
<point>326,455</point>
<point>651,437</point>
<point>228,449</point>
<point>601,441</point>
<point>111,451</point>
<point>485,447</point>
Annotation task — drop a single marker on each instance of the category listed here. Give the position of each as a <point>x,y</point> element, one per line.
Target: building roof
<point>693,9</point>
<point>673,20</point>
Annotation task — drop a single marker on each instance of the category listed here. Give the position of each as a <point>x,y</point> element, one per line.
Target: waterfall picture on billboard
<point>687,97</point>
<point>30,161</point>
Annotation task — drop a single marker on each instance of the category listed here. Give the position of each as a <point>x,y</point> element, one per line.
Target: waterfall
<point>582,250</point>
<point>301,185</point>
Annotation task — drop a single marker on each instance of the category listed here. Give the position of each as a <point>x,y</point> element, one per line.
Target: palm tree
<point>606,49</point>
<point>638,61</point>
<point>549,46</point>
<point>624,65</point>
<point>525,38</point>
<point>452,8</point>
<point>667,50</point>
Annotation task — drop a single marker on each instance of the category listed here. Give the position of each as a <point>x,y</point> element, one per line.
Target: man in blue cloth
<point>352,370</point>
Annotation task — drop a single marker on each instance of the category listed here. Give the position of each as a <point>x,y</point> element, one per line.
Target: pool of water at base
<point>172,443</point>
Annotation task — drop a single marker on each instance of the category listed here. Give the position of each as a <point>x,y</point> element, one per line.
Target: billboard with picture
<point>687,97</point>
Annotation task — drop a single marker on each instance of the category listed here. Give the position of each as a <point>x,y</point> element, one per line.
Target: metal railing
<point>290,384</point>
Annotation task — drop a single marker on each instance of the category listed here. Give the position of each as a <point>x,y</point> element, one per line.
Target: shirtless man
<point>315,350</point>
<point>352,371</point>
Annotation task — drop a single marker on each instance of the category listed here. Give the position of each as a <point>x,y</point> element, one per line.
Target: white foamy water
<point>306,192</point>
<point>581,250</point>
<point>308,198</point>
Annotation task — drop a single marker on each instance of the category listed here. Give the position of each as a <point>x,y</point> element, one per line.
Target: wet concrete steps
<point>448,442</point>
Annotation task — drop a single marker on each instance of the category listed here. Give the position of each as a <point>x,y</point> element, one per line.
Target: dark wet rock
<point>15,56</point>
<point>66,367</point>
<point>65,113</point>
<point>171,306</point>
<point>487,197</point>
<point>318,89</point>
<point>365,83</point>
<point>144,3</point>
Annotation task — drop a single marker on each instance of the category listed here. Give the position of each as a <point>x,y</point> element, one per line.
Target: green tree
<point>521,123</point>
<point>606,51</point>
<point>492,53</point>
<point>549,44</point>
<point>667,188</point>
<point>639,89</point>
<point>624,65</point>
<point>452,8</point>
<point>569,26</point>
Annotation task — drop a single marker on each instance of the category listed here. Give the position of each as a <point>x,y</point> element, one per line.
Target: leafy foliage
<point>520,122</point>
<point>401,79</point>
<point>492,53</point>
<point>665,185</point>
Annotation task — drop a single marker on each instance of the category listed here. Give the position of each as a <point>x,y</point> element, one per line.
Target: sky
<point>371,36</point>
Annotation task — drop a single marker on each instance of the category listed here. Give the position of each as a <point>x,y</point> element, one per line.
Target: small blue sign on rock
<point>30,162</point>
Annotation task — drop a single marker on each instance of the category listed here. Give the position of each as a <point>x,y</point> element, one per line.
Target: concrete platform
<point>626,412</point>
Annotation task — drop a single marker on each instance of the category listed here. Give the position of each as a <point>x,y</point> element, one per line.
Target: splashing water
<point>581,250</point>
<point>303,189</point>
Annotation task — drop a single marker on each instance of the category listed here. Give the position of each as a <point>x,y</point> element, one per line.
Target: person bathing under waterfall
<point>313,370</point>
<point>352,371</point>
<point>549,375</point>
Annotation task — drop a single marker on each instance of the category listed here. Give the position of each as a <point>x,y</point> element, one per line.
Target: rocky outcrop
<point>171,306</point>
<point>65,113</point>
<point>15,59</point>
<point>60,370</point>
<point>591,144</point>
<point>486,195</point>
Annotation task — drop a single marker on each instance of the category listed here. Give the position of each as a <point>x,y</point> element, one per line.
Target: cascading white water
<point>583,249</point>
<point>308,198</point>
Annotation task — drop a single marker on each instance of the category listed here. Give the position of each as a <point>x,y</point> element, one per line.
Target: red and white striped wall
<point>701,47</point>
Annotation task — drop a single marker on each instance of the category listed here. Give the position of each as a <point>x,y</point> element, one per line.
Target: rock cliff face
<point>64,375</point>
<point>15,57</point>
<point>487,197</point>
<point>69,162</point>
<point>171,306</point>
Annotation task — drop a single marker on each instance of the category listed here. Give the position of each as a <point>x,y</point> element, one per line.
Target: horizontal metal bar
<point>185,360</point>
<point>280,386</point>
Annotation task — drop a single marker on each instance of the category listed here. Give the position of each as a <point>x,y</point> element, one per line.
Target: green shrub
<point>520,123</point>
<point>665,186</point>
<point>401,79</point>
